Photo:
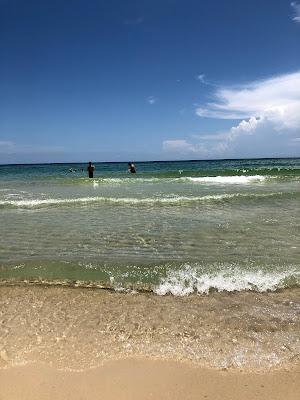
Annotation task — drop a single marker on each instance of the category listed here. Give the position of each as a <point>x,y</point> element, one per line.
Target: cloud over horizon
<point>269,115</point>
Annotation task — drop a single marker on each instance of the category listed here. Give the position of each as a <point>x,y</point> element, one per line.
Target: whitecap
<point>190,279</point>
<point>234,180</point>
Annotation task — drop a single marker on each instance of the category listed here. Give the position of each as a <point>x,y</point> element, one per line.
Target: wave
<point>157,175</point>
<point>213,180</point>
<point>176,200</point>
<point>183,281</point>
<point>190,280</point>
<point>227,177</point>
<point>238,179</point>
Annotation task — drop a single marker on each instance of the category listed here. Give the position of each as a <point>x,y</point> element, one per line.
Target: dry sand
<point>146,379</point>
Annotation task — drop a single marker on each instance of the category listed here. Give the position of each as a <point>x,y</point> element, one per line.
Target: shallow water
<point>82,328</point>
<point>174,227</point>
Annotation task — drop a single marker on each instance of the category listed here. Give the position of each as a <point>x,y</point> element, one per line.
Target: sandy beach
<point>74,343</point>
<point>146,379</point>
<point>149,200</point>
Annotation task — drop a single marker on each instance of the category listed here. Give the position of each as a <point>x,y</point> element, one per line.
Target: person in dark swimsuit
<point>91,169</point>
<point>131,168</point>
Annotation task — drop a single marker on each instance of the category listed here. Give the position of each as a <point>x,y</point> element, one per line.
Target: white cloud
<point>274,102</point>
<point>181,146</point>
<point>214,136</point>
<point>201,78</point>
<point>276,98</point>
<point>151,100</point>
<point>296,10</point>
<point>176,145</point>
<point>269,120</point>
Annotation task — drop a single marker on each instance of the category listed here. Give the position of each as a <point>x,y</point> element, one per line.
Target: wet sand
<point>73,343</point>
<point>239,330</point>
<point>146,379</point>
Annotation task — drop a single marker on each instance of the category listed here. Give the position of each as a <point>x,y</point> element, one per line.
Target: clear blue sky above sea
<point>147,80</point>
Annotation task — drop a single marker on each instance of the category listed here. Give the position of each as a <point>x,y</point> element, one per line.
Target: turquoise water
<point>174,227</point>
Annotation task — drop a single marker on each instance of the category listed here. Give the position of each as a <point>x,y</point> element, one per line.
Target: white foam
<point>237,179</point>
<point>241,179</point>
<point>189,280</point>
<point>119,181</point>
<point>32,203</point>
<point>41,202</point>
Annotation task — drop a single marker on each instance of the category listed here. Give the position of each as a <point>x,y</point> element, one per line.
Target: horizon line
<point>155,161</point>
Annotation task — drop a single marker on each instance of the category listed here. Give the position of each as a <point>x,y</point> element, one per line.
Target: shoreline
<point>63,343</point>
<point>243,330</point>
<point>128,288</point>
<point>145,379</point>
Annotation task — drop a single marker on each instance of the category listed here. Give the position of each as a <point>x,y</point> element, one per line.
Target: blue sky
<point>148,80</point>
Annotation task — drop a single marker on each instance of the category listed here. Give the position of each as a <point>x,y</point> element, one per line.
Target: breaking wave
<point>175,200</point>
<point>237,179</point>
<point>190,280</point>
<point>241,179</point>
<point>180,281</point>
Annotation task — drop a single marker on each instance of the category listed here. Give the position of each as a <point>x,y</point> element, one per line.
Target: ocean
<point>199,261</point>
<point>173,227</point>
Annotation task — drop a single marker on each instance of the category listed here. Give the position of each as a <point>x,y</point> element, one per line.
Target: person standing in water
<point>131,168</point>
<point>91,169</point>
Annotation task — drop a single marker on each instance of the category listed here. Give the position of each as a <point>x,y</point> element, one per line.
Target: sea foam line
<point>235,179</point>
<point>127,200</point>
<point>238,179</point>
<point>187,280</point>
